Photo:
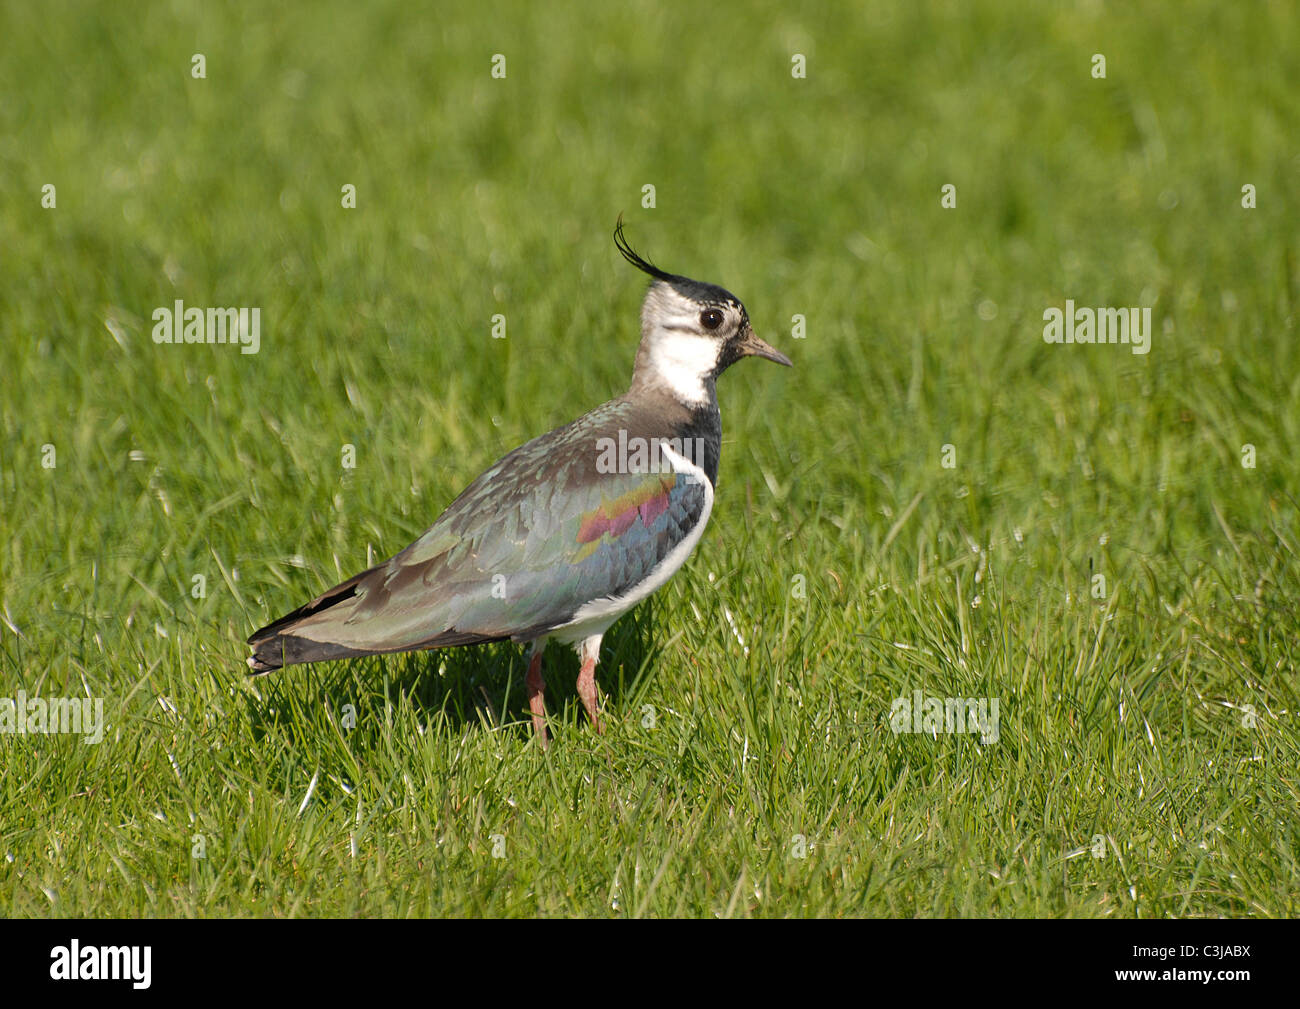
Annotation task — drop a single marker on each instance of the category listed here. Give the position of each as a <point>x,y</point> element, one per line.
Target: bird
<point>561,537</point>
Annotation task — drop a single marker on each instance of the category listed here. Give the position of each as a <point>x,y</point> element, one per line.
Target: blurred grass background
<point>1161,717</point>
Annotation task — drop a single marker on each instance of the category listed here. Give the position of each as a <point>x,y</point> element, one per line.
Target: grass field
<point>934,499</point>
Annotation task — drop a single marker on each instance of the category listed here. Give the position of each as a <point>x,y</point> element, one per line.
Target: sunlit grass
<point>749,767</point>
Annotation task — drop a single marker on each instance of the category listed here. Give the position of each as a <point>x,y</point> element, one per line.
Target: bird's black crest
<point>705,294</point>
<point>631,255</point>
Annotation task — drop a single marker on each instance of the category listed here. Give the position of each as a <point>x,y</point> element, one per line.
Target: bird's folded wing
<point>518,553</point>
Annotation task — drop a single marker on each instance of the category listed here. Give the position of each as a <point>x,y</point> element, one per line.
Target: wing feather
<point>535,537</point>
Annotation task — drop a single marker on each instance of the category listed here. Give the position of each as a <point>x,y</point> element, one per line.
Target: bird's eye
<point>710,318</point>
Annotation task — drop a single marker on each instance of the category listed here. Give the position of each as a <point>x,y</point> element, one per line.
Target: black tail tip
<point>258,665</point>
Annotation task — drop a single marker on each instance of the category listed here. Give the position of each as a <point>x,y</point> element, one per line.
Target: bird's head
<point>690,331</point>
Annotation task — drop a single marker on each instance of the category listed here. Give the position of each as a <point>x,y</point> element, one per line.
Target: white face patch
<point>680,352</point>
<point>682,361</point>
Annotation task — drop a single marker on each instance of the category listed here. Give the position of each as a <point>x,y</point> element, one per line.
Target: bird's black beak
<point>752,346</point>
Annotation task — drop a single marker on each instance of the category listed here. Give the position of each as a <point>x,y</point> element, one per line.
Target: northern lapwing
<point>565,534</point>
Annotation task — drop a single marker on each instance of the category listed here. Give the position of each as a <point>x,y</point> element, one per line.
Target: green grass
<point>1128,716</point>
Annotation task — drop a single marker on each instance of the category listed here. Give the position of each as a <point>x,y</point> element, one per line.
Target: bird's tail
<point>295,637</point>
<point>276,645</point>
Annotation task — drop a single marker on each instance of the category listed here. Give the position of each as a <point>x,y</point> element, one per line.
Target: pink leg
<point>536,685</point>
<point>587,688</point>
